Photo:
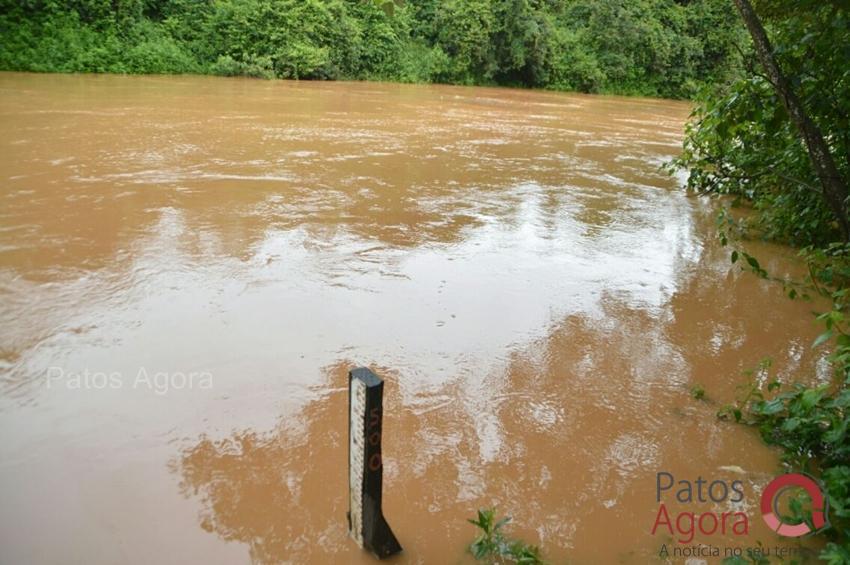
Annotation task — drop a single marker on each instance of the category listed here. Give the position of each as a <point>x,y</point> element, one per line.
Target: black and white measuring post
<point>366,522</point>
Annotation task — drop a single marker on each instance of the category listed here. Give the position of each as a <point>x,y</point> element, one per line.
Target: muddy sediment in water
<point>190,265</point>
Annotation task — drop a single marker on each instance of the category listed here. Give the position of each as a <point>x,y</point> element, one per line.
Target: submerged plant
<point>698,392</point>
<point>491,545</point>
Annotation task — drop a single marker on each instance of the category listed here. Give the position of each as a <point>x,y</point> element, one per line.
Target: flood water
<point>189,266</point>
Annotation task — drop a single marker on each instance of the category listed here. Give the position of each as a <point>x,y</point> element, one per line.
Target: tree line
<point>666,48</point>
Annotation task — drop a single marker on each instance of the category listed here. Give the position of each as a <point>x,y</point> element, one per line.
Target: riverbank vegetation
<point>777,140</point>
<point>661,48</point>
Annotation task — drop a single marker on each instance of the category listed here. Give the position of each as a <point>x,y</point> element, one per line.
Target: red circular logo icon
<point>770,502</point>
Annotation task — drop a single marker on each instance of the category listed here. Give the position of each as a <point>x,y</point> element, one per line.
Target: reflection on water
<point>538,296</point>
<point>270,490</point>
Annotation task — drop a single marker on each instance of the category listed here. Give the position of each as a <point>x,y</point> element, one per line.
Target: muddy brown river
<point>190,265</point>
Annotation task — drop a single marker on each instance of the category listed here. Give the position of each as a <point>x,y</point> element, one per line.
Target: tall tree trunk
<point>835,190</point>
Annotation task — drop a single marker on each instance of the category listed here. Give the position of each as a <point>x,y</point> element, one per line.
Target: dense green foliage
<point>652,47</point>
<point>742,143</point>
<point>491,545</point>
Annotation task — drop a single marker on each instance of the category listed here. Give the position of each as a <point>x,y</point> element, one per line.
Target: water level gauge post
<point>366,523</point>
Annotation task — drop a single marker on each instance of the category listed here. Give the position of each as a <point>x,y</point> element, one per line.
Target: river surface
<point>189,266</point>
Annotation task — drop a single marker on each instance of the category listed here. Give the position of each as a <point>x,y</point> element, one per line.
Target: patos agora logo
<point>685,525</point>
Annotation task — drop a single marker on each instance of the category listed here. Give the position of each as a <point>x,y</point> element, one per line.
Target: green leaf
<point>822,338</point>
<point>811,397</point>
<point>771,407</point>
<point>791,424</point>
